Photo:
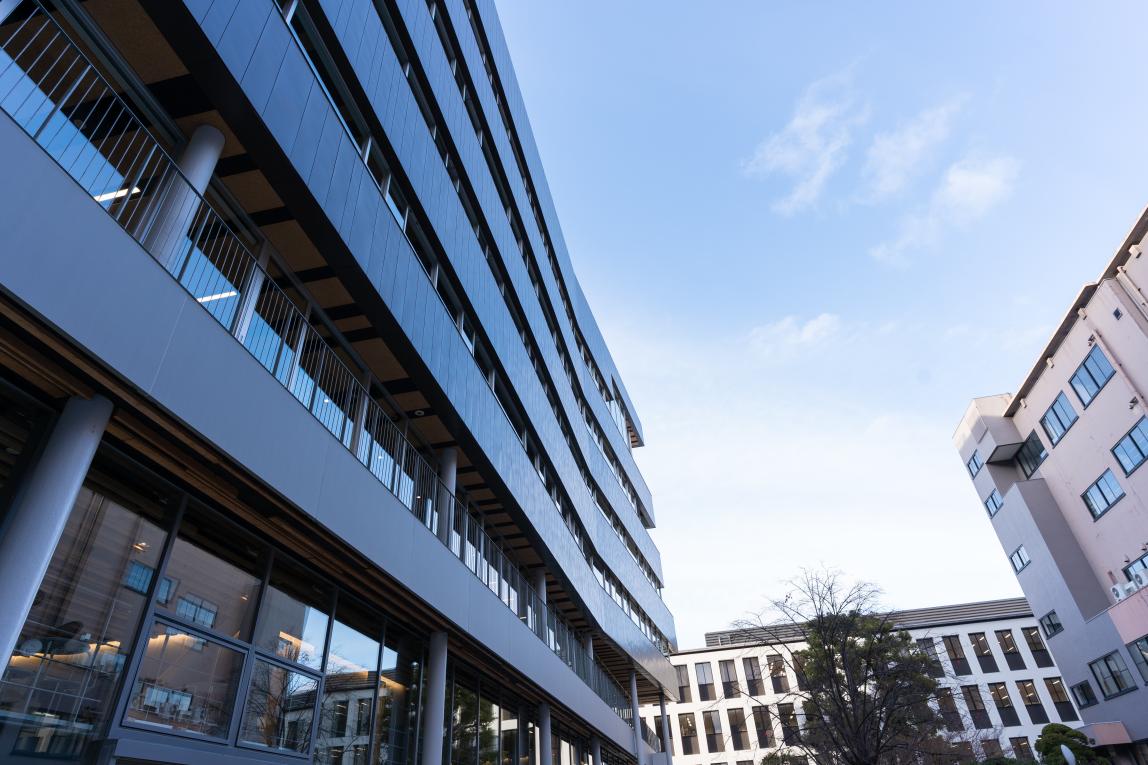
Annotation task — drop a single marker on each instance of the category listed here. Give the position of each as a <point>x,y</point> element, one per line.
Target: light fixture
<point>109,196</point>
<point>217,296</point>
<point>419,413</point>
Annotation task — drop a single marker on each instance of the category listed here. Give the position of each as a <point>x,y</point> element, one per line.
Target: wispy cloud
<point>969,189</point>
<point>896,157</point>
<point>790,333</point>
<point>814,145</point>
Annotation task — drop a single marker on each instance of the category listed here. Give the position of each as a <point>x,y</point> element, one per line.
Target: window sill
<point>1124,692</point>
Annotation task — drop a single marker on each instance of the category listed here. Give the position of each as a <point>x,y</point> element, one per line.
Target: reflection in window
<point>349,687</point>
<point>396,717</point>
<point>58,685</point>
<point>185,683</point>
<point>214,579</point>
<point>293,616</point>
<point>280,708</point>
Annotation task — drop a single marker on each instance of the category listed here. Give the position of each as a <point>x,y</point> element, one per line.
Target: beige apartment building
<point>1056,466</point>
<point>740,700</point>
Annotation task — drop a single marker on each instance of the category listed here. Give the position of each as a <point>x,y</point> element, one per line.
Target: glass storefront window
<point>488,737</point>
<point>464,726</point>
<point>294,616</point>
<point>509,728</point>
<point>185,683</point>
<point>397,707</point>
<point>349,687</point>
<point>212,580</point>
<point>280,708</point>
<point>57,689</point>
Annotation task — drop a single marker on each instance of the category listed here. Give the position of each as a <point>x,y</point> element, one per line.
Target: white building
<point>998,686</point>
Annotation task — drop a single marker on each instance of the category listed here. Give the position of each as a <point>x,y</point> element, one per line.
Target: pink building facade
<point>1057,469</point>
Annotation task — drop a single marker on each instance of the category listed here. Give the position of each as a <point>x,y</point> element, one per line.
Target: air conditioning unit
<point>1117,592</point>
<point>1141,578</point>
<point>1130,588</point>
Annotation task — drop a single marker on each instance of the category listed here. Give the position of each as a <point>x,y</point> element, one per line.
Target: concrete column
<point>435,712</point>
<point>595,750</point>
<point>540,584</point>
<point>589,645</point>
<point>667,741</point>
<point>545,755</point>
<point>251,289</point>
<point>636,717</point>
<point>180,199</point>
<point>448,475</point>
<point>38,516</point>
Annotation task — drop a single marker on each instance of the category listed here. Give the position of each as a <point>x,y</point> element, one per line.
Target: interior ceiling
<point>144,49</point>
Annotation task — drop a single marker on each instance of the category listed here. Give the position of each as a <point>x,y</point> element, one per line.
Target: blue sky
<point>811,235</point>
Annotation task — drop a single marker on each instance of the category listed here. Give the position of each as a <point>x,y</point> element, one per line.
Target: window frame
<point>1122,439</point>
<point>1045,625</point>
<point>1083,367</point>
<point>1013,559</point>
<point>1103,662</point>
<point>1089,503</point>
<point>1022,455</point>
<point>975,458</point>
<point>1054,414</point>
<point>997,503</point>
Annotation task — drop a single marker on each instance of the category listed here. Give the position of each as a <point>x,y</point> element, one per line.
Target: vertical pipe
<point>434,714</point>
<point>38,516</point>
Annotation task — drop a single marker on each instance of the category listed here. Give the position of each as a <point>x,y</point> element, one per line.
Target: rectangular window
<point>999,693</point>
<point>777,673</point>
<point>689,730</point>
<point>684,684</point>
<point>1031,454</point>
<point>1139,651</point>
<point>983,652</point>
<point>753,680</point>
<point>1037,647</point>
<point>976,704</point>
<point>974,464</point>
<point>1008,647</point>
<point>1132,450</point>
<point>956,654</point>
<point>1058,419</point>
<point>1084,695</point>
<point>705,675</point>
<point>790,732</point>
<point>1102,494</point>
<point>764,727</point>
<point>1021,749</point>
<point>928,647</point>
<point>1019,559</point>
<point>1138,566</point>
<point>729,686</point>
<point>948,706</point>
<point>1091,375</point>
<point>1112,675</point>
<point>992,748</point>
<point>1031,698</point>
<point>1051,625</point>
<point>739,734</point>
<point>993,502</point>
<point>715,741</point>
<point>1060,700</point>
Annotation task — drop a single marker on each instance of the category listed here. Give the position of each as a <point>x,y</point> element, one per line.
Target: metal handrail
<point>52,91</point>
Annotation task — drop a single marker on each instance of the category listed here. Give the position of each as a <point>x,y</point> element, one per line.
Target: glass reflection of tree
<point>280,707</point>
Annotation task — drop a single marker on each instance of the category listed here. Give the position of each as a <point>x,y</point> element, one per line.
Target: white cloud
<point>769,340</point>
<point>895,157</point>
<point>969,189</point>
<point>811,148</point>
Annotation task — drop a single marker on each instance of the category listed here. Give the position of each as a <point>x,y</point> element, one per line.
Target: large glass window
<point>739,734</point>
<point>349,685</point>
<point>1028,694</point>
<point>999,693</point>
<point>1139,651</point>
<point>688,727</point>
<point>753,681</point>
<point>976,705</point>
<point>293,616</point>
<point>1058,419</point>
<point>777,673</point>
<point>956,653</point>
<point>57,689</point>
<point>683,683</point>
<point>214,577</point>
<point>1132,450</point>
<point>280,708</point>
<point>1031,454</point>
<point>400,679</point>
<point>1052,626</point>
<point>464,726</point>
<point>186,683</point>
<point>1112,674</point>
<point>1091,375</point>
<point>764,726</point>
<point>1084,695</point>
<point>729,686</point>
<point>1060,700</point>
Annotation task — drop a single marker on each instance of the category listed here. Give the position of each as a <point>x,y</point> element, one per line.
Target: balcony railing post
<point>447,484</point>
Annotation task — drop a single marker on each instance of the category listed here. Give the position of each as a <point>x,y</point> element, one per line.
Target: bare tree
<point>864,688</point>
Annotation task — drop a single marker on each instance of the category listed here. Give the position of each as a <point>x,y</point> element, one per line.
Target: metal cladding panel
<point>419,158</point>
<point>119,305</point>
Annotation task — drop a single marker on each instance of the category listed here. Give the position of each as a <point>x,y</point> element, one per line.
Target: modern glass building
<point>311,447</point>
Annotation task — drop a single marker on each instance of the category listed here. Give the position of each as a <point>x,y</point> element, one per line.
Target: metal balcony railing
<point>59,98</point>
<point>651,738</point>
